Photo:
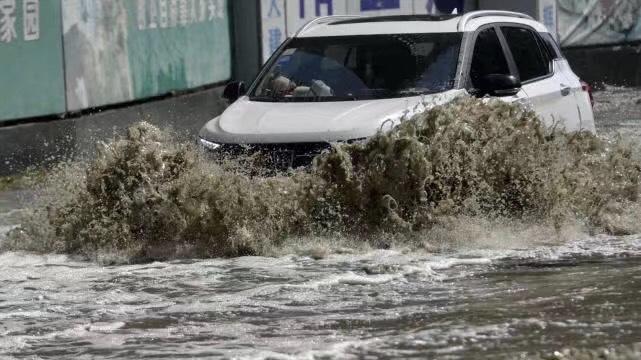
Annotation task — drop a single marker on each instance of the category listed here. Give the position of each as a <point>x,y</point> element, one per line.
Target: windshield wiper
<point>303,99</point>
<point>269,98</point>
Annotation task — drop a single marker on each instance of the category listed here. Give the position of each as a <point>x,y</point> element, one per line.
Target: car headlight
<point>209,145</point>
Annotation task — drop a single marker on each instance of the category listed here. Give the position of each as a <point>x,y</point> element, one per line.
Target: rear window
<point>527,53</point>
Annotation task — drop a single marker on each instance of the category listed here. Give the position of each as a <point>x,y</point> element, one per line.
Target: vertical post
<point>470,5</point>
<point>547,14</point>
<point>246,37</point>
<point>64,56</point>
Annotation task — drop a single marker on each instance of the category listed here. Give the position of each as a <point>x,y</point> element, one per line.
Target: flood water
<point>504,297</point>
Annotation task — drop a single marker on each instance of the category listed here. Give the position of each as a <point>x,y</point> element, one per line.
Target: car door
<point>546,87</point>
<point>581,95</point>
<point>490,57</point>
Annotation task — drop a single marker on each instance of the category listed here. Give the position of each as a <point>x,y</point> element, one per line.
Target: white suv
<point>343,78</point>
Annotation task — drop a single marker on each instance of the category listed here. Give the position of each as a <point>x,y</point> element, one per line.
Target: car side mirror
<point>499,85</point>
<point>234,90</point>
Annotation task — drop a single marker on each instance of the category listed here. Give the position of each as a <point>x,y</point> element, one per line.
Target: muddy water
<point>510,294</point>
<point>469,304</point>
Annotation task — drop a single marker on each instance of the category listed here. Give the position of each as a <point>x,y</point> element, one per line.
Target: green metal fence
<point>31,60</point>
<point>67,55</point>
<point>185,50</point>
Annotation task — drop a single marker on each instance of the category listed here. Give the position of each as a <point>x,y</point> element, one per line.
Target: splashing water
<point>147,196</point>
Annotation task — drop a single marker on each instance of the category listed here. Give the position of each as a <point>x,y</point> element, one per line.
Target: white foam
<point>21,259</point>
<point>448,263</point>
<point>336,350</point>
<point>104,327</point>
<point>351,278</point>
<point>4,230</point>
<point>59,291</point>
<point>23,315</point>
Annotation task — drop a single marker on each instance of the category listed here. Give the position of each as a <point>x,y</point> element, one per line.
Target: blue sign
<point>328,3</point>
<point>447,6</point>
<point>370,5</point>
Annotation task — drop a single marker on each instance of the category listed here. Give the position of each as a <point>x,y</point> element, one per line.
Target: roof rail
<point>325,20</point>
<point>465,19</point>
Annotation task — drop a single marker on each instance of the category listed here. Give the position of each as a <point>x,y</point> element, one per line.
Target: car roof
<point>348,25</point>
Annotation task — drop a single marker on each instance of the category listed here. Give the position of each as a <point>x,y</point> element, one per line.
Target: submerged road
<point>503,291</point>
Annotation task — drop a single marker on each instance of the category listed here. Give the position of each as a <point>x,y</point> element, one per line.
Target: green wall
<point>174,56</point>
<point>31,71</point>
<point>124,50</point>
<point>93,53</point>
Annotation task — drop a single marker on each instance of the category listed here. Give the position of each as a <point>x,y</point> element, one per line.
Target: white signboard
<point>381,7</point>
<point>274,27</point>
<point>548,15</point>
<point>300,12</point>
<point>283,18</point>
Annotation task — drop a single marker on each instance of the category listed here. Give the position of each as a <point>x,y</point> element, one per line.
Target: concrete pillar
<point>246,50</point>
<point>471,5</point>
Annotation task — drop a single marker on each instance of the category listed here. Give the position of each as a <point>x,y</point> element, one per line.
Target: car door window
<point>488,57</point>
<point>527,53</point>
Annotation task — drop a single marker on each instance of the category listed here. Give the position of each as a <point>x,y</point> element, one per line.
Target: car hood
<point>254,122</point>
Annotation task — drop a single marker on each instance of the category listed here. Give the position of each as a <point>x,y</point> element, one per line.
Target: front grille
<point>279,156</point>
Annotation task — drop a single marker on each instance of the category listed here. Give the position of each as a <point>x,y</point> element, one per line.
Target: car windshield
<point>361,67</point>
